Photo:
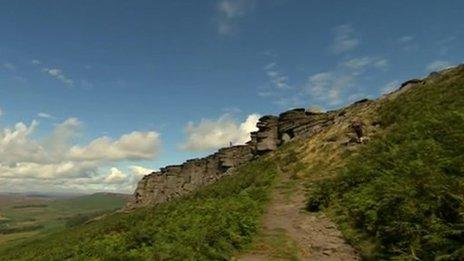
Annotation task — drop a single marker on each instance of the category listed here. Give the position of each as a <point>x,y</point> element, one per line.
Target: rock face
<point>173,181</point>
<point>177,180</point>
<point>273,131</point>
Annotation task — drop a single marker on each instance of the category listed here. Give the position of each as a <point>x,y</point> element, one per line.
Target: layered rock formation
<point>273,131</point>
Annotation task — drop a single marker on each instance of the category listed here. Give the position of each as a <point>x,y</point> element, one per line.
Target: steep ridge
<point>273,131</point>
<point>173,181</point>
<point>400,196</point>
<point>176,180</point>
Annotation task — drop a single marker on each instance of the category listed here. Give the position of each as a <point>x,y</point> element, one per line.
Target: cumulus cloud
<point>15,145</point>
<point>141,171</point>
<point>230,12</point>
<point>55,160</point>
<point>132,146</point>
<point>213,134</point>
<point>35,62</point>
<point>344,39</point>
<point>115,176</point>
<point>438,65</point>
<point>59,75</point>
<point>32,170</point>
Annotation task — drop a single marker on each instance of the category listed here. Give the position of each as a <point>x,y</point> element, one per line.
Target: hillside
<point>394,192</point>
<point>402,195</point>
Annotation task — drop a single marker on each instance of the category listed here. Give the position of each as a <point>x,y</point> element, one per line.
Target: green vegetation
<point>89,203</point>
<point>22,214</point>
<point>208,225</point>
<point>4,229</point>
<point>402,195</point>
<point>31,206</point>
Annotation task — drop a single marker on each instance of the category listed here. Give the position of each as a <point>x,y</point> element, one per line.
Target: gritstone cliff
<point>273,131</point>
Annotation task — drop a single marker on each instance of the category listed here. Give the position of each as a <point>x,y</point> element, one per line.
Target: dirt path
<point>313,235</point>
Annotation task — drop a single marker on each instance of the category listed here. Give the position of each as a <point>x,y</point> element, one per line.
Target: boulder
<point>267,135</point>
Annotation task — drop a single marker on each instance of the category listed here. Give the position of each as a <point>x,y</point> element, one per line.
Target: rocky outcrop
<point>273,131</point>
<point>177,180</point>
<point>411,83</point>
<point>267,134</point>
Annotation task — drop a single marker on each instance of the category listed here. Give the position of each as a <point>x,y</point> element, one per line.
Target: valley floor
<point>290,232</point>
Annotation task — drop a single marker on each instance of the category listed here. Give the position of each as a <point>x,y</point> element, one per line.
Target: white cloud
<point>53,72</point>
<point>58,74</point>
<point>35,62</point>
<point>132,146</point>
<point>277,78</point>
<point>229,14</point>
<point>115,176</point>
<point>62,137</point>
<point>358,63</point>
<point>248,126</point>
<point>361,63</point>
<point>438,65</point>
<point>16,146</point>
<point>32,170</point>
<point>406,39</point>
<point>213,134</point>
<point>328,86</point>
<point>141,171</point>
<point>44,115</point>
<point>54,162</point>
<point>9,66</point>
<point>344,39</point>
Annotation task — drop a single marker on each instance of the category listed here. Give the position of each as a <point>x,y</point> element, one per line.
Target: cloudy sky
<point>94,94</point>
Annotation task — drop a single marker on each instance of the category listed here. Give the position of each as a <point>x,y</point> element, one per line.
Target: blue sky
<point>93,94</point>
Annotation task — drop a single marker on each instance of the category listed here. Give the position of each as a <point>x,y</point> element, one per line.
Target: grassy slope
<point>402,195</point>
<point>209,224</point>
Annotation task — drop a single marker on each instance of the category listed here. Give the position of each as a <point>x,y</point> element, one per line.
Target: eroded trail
<point>291,233</point>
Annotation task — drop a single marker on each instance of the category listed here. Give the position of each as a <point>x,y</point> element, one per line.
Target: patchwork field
<point>24,216</point>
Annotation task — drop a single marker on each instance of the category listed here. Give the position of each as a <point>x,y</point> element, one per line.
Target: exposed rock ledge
<point>273,131</point>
